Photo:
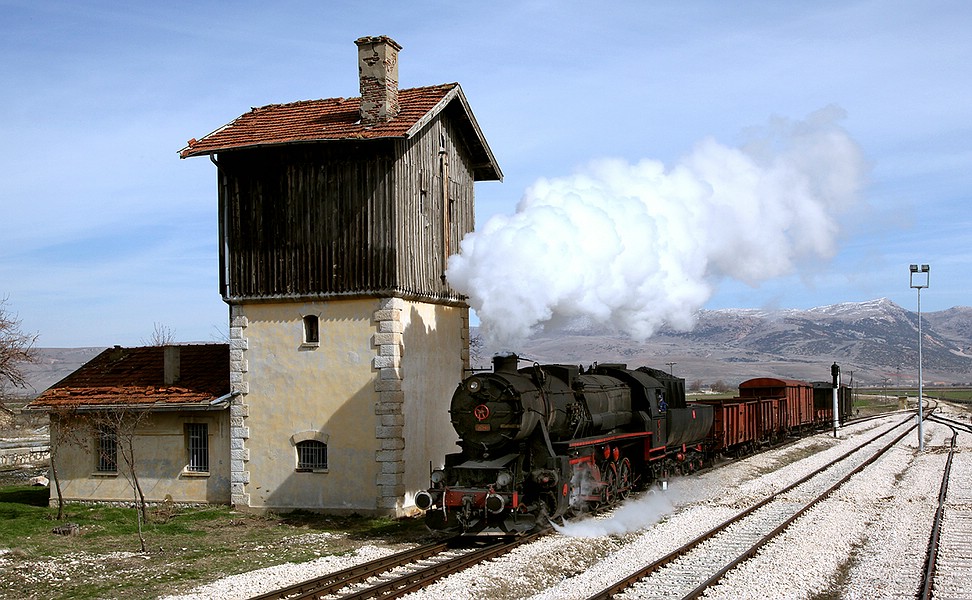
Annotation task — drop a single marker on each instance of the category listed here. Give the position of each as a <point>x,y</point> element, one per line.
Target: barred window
<point>197,441</point>
<point>107,450</point>
<point>311,455</point>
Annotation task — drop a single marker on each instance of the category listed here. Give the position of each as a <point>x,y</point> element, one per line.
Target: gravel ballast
<point>867,540</point>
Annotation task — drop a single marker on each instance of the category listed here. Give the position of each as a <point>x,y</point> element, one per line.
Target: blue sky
<point>106,232</point>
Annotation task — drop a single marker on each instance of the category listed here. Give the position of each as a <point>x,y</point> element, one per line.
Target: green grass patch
<point>32,495</point>
<point>185,546</point>
<point>694,397</point>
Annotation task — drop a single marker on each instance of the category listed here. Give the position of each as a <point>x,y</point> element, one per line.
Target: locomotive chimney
<point>378,78</point>
<point>505,363</point>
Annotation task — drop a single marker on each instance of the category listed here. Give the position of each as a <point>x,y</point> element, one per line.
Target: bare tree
<point>16,348</point>
<point>123,423</point>
<point>696,385</point>
<point>119,426</point>
<point>162,335</point>
<point>66,430</point>
<point>220,333</point>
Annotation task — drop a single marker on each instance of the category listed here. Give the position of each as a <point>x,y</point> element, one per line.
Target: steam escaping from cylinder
<point>633,247</point>
<point>633,515</point>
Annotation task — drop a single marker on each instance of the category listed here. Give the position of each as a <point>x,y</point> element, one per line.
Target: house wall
<point>160,457</point>
<point>376,390</point>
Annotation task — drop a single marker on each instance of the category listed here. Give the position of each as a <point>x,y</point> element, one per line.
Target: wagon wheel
<point>624,478</point>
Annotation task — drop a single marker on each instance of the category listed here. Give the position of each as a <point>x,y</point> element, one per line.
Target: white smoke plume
<point>632,247</point>
<point>634,515</point>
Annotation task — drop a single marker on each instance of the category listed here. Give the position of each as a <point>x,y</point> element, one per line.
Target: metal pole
<point>835,373</point>
<point>920,270</point>
<point>921,416</point>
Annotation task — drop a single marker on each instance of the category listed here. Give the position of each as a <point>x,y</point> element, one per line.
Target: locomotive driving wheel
<point>624,479</point>
<point>610,494</point>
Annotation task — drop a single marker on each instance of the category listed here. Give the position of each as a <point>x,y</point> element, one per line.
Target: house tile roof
<point>135,377</point>
<point>334,119</point>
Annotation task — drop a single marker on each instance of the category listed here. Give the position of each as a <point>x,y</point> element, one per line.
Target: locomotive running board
<point>605,439</point>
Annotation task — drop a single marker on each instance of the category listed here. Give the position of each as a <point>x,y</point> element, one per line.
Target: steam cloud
<point>633,247</point>
<point>634,515</point>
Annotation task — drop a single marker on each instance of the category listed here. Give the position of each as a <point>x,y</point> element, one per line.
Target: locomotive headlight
<point>438,476</point>
<point>473,385</point>
<point>503,480</point>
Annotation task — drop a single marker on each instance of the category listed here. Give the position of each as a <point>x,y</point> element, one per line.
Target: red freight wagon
<point>772,412</point>
<point>735,423</point>
<point>798,397</point>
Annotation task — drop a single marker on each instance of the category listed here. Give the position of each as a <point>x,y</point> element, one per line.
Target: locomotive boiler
<point>545,441</point>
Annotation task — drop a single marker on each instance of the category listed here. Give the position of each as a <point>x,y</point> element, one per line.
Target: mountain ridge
<point>877,340</point>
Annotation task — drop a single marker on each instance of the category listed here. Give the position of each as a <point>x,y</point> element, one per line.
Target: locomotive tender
<point>548,441</point>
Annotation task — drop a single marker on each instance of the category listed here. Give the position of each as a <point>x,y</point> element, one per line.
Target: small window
<point>311,455</point>
<point>107,450</point>
<point>197,442</point>
<point>312,333</point>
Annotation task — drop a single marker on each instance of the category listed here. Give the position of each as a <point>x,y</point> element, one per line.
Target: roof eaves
<point>456,94</point>
<point>206,405</point>
<point>212,151</point>
<point>187,151</point>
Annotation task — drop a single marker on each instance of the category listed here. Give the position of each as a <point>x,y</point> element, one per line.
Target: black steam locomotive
<point>546,441</point>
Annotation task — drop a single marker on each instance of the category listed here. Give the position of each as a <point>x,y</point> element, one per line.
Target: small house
<point>160,413</point>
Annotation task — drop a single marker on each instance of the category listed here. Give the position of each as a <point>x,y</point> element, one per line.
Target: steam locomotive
<point>548,441</point>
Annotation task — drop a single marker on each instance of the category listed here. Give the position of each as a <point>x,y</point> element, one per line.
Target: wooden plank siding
<point>423,211</point>
<point>344,218</point>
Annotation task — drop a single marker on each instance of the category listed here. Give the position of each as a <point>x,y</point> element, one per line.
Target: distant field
<point>956,394</point>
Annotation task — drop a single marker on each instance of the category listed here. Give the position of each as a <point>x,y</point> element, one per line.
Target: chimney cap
<point>377,39</point>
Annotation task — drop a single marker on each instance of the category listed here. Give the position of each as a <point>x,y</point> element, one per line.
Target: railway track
<point>689,570</point>
<point>948,566</point>
<point>401,573</point>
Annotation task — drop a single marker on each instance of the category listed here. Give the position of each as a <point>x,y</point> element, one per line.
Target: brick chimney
<point>378,77</point>
<point>171,363</point>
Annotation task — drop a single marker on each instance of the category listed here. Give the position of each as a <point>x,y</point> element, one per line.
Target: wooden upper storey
<point>313,204</point>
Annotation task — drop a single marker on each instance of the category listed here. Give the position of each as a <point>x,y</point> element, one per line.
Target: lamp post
<point>923,275</point>
<point>671,368</point>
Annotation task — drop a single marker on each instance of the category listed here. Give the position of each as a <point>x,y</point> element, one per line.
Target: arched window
<point>311,455</point>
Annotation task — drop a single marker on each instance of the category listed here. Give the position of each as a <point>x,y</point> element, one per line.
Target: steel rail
<point>751,552</point>
<point>931,556</point>
<point>967,427</point>
<point>421,578</point>
<point>643,572</point>
<point>338,579</point>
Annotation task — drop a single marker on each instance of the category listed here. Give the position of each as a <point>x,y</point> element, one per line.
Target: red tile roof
<point>135,376</point>
<point>334,119</point>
